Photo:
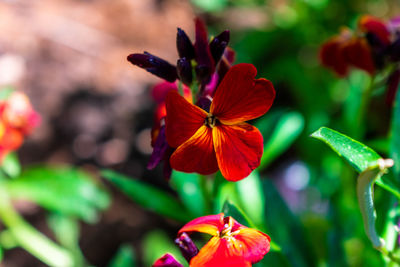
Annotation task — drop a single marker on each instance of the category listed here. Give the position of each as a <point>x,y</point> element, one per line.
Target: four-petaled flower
<point>232,244</point>
<point>220,139</point>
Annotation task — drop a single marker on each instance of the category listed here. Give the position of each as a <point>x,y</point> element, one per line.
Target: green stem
<point>365,99</point>
<point>29,238</point>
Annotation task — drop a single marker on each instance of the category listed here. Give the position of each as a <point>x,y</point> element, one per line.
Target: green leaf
<point>395,136</point>
<point>11,165</point>
<point>65,190</point>
<point>285,229</point>
<point>210,5</point>
<point>230,209</point>
<point>157,243</point>
<point>66,231</point>
<point>148,196</point>
<point>252,197</point>
<point>288,127</point>
<point>5,93</point>
<point>357,154</point>
<point>125,257</point>
<point>188,187</point>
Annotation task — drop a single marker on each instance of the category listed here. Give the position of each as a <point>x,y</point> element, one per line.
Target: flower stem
<point>29,238</point>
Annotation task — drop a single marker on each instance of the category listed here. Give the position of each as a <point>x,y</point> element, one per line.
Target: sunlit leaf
<point>188,187</point>
<point>287,128</point>
<point>65,190</point>
<point>148,196</point>
<point>156,244</point>
<point>11,165</point>
<point>252,197</point>
<point>210,5</point>
<point>356,154</point>
<point>125,257</point>
<point>5,93</point>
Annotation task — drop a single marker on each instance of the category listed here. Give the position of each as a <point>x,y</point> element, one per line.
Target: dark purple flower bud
<point>184,45</point>
<point>218,45</point>
<point>392,87</point>
<point>226,62</point>
<point>205,62</point>
<point>167,261</point>
<point>187,247</point>
<point>159,149</point>
<point>184,68</point>
<point>154,65</point>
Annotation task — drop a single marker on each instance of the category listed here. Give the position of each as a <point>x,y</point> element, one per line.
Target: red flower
<point>167,261</point>
<point>17,119</point>
<point>220,139</point>
<point>232,244</point>
<point>363,49</point>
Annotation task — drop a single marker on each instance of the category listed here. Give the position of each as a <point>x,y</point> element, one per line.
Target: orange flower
<point>232,244</point>
<point>220,139</point>
<point>17,119</point>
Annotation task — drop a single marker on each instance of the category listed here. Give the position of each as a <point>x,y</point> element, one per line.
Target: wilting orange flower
<point>17,119</point>
<point>220,139</point>
<point>232,244</point>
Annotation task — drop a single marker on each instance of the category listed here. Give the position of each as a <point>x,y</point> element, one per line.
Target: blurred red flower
<point>17,119</point>
<point>363,49</point>
<point>220,139</point>
<point>232,244</point>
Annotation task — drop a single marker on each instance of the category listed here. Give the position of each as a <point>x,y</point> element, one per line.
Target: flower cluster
<point>17,120</point>
<point>200,120</point>
<point>232,244</point>
<point>372,47</point>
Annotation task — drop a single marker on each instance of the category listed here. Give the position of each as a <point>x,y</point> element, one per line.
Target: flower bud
<point>184,45</point>
<point>218,45</point>
<point>187,247</point>
<point>184,68</point>
<point>154,65</point>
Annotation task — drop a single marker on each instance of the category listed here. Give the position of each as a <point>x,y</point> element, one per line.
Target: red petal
<point>374,25</point>
<point>239,149</point>
<point>240,97</point>
<point>167,261</point>
<point>183,119</point>
<point>196,154</point>
<point>331,56</point>
<point>254,244</point>
<point>220,252</point>
<point>358,53</point>
<point>210,224</point>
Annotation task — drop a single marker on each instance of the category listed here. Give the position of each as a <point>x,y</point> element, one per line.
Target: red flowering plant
<point>372,47</point>
<point>216,114</point>
<point>232,244</point>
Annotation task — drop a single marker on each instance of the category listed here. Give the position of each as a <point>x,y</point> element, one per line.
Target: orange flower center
<point>211,120</point>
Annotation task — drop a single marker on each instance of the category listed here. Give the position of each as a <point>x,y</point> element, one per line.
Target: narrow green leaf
<point>395,137</point>
<point>148,196</point>
<point>65,190</point>
<point>285,229</point>
<point>125,257</point>
<point>252,197</point>
<point>357,154</point>
<point>288,128</point>
<point>11,165</point>
<point>188,187</point>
